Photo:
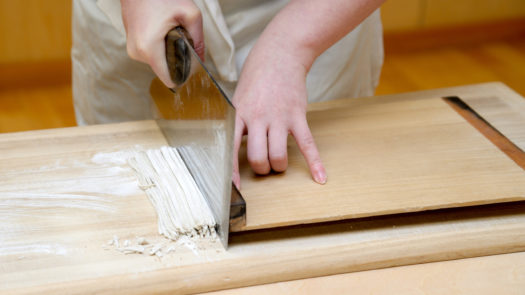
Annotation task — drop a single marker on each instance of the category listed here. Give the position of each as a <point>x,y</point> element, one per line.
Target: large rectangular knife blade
<point>199,120</point>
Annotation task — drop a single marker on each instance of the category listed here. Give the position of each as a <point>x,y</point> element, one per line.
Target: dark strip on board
<point>485,128</point>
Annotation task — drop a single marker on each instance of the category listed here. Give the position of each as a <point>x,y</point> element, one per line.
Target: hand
<point>271,100</point>
<point>148,22</point>
<point>271,94</point>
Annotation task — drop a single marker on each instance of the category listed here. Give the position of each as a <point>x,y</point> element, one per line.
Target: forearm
<point>271,96</point>
<point>306,28</point>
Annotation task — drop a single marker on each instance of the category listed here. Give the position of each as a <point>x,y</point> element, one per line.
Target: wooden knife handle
<point>178,54</point>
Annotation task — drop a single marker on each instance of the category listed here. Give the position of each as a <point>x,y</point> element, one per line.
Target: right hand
<point>148,22</point>
<point>270,102</point>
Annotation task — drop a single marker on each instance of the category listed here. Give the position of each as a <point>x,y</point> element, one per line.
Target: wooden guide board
<point>384,156</point>
<point>60,246</point>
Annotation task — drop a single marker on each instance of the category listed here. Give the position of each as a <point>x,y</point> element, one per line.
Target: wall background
<point>39,31</point>
<point>403,15</point>
<point>428,43</point>
<point>34,30</point>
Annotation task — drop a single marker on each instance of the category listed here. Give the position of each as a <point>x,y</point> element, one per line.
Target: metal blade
<point>199,120</point>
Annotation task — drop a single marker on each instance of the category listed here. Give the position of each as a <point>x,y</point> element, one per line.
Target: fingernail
<point>320,177</point>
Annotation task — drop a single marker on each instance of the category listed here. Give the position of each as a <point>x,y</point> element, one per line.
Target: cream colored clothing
<point>109,87</point>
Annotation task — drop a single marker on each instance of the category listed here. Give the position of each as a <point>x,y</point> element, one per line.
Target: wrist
<point>277,48</point>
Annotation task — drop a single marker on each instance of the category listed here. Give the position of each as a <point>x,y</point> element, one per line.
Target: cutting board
<point>384,156</point>
<point>64,193</point>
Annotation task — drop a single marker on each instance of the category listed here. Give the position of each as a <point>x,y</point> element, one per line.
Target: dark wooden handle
<point>178,55</point>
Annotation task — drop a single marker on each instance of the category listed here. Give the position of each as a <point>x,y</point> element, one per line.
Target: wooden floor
<point>50,106</point>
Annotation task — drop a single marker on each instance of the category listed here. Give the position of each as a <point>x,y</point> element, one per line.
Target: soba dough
<point>180,206</point>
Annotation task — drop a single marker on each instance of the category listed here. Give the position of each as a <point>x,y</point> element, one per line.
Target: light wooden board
<point>60,247</point>
<point>434,159</point>
<point>488,275</point>
<point>384,156</point>
<point>271,256</point>
<point>503,107</point>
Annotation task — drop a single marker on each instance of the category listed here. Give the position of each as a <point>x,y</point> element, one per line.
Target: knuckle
<point>307,140</point>
<point>138,50</point>
<point>132,50</point>
<point>188,13</point>
<point>141,48</point>
<point>194,15</point>
<point>316,162</point>
<point>257,114</point>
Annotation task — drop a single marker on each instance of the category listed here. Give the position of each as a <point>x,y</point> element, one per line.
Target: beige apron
<point>110,87</point>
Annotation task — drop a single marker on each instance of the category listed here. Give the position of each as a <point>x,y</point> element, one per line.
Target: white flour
<point>59,191</point>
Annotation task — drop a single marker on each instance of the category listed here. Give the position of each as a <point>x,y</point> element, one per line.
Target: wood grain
<point>61,249</point>
<point>384,156</point>
<point>365,178</point>
<point>502,106</point>
<point>279,255</point>
<point>497,274</point>
<point>484,127</point>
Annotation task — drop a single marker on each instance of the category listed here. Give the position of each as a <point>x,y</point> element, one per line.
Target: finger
<point>239,131</point>
<point>157,61</point>
<point>187,15</point>
<point>277,139</point>
<point>150,49</point>
<point>258,149</point>
<point>306,144</point>
<point>192,22</point>
<point>147,45</point>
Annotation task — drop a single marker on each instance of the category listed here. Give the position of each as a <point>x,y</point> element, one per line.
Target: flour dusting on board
<point>68,192</point>
<point>160,246</point>
<point>66,185</point>
<point>183,216</point>
<point>20,200</point>
<point>53,193</point>
<point>71,182</point>
<point>116,158</point>
<point>49,248</point>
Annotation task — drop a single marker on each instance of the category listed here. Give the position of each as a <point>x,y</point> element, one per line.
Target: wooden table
<point>495,274</point>
<point>487,275</point>
<point>64,251</point>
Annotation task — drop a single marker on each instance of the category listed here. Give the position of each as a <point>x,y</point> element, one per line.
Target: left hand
<point>271,100</point>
